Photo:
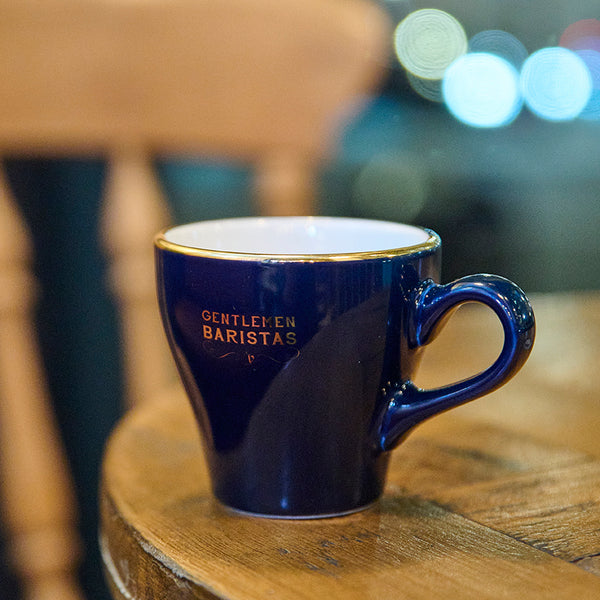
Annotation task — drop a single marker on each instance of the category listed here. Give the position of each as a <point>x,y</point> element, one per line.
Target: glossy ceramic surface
<point>299,367</point>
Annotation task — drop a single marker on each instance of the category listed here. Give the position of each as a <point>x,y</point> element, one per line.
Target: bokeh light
<point>591,58</point>
<point>482,90</point>
<point>430,89</point>
<point>556,84</point>
<point>500,43</point>
<point>392,186</point>
<point>582,35</point>
<point>427,41</point>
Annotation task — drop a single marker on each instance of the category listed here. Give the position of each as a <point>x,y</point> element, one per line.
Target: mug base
<point>332,515</point>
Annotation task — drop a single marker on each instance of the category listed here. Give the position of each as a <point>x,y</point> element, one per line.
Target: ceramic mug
<point>297,339</point>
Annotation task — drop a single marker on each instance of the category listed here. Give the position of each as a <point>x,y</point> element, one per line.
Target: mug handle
<point>408,405</point>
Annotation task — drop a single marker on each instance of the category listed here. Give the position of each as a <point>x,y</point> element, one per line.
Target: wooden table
<point>499,498</point>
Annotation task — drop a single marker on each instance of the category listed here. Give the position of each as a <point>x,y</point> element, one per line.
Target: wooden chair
<point>264,81</point>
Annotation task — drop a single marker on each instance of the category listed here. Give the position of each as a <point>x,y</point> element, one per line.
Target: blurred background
<point>486,129</point>
<point>504,165</point>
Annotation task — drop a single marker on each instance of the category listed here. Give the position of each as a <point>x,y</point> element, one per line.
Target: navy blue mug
<point>297,339</point>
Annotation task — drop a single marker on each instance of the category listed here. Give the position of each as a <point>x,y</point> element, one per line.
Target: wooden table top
<point>498,498</point>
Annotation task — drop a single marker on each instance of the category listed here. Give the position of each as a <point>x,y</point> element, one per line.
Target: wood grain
<point>555,397</point>
<point>556,510</point>
<point>406,546</point>
<point>158,512</point>
<point>472,509</point>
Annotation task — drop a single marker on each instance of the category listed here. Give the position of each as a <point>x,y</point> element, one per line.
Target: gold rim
<point>431,243</point>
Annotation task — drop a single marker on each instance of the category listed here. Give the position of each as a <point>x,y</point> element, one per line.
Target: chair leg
<point>285,186</point>
<point>37,492</point>
<point>134,211</point>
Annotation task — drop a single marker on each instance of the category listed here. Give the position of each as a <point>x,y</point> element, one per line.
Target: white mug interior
<point>298,236</point>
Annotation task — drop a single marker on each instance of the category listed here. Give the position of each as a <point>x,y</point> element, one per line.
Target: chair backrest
<point>265,81</point>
